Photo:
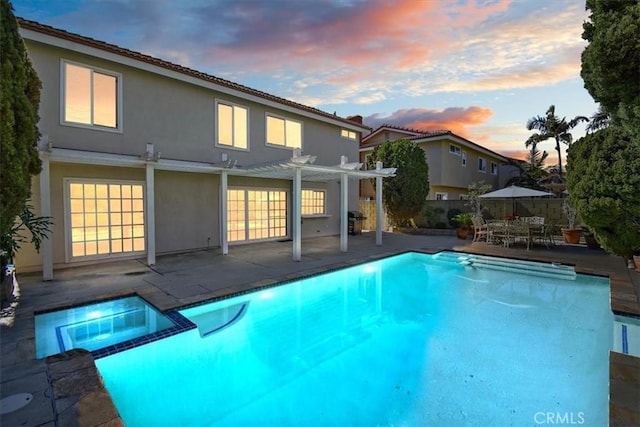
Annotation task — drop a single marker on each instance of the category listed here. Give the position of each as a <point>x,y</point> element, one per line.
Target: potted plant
<point>636,260</point>
<point>570,234</point>
<point>464,221</point>
<point>39,227</point>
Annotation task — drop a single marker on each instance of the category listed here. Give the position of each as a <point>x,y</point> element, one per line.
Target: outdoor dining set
<point>505,232</point>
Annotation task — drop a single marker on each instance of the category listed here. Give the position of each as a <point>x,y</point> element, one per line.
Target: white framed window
<point>104,218</point>
<point>91,97</point>
<point>232,125</point>
<point>256,214</point>
<point>313,202</point>
<point>442,196</point>
<point>454,149</point>
<point>464,158</point>
<point>349,134</point>
<point>482,164</point>
<point>494,168</point>
<point>284,132</point>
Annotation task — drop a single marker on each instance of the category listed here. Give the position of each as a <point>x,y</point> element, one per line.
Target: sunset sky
<point>478,68</point>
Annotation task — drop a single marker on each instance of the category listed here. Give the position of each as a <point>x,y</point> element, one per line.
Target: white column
<point>344,210</point>
<point>45,210</point>
<point>224,243</point>
<point>378,205</point>
<point>296,222</point>
<point>151,214</point>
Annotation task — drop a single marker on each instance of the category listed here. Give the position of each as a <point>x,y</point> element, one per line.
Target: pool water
<point>410,340</point>
<point>96,326</point>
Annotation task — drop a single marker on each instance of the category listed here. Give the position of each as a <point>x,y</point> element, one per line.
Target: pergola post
<point>344,207</point>
<point>379,205</point>
<point>151,214</point>
<point>296,225</point>
<point>224,242</point>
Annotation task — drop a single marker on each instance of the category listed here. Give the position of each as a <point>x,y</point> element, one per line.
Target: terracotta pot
<point>571,235</point>
<point>636,262</point>
<point>462,233</point>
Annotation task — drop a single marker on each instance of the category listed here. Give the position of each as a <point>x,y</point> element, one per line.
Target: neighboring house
<point>144,157</point>
<point>454,162</point>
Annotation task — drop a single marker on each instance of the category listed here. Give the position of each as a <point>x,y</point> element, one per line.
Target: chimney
<point>355,119</point>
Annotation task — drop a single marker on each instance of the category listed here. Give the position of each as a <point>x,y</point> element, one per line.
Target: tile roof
<point>87,41</point>
<point>421,134</point>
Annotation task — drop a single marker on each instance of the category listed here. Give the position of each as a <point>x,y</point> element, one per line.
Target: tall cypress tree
<point>19,101</point>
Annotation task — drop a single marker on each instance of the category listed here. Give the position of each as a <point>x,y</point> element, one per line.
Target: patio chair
<point>521,231</point>
<point>480,229</point>
<point>498,232</point>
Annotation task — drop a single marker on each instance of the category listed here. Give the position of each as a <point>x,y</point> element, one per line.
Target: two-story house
<point>454,162</point>
<point>142,157</point>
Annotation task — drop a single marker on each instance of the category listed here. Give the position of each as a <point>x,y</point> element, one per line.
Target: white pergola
<point>302,168</point>
<point>298,168</point>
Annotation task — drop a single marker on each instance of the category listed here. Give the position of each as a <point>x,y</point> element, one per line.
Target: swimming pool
<point>414,339</point>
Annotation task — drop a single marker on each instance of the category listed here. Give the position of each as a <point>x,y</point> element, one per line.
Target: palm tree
<point>551,126</point>
<point>599,120</point>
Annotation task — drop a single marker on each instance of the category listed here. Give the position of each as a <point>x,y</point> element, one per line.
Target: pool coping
<point>624,369</point>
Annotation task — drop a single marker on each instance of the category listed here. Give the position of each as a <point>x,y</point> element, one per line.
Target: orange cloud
<point>455,119</point>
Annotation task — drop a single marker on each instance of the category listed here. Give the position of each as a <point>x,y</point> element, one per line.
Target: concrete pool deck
<point>183,279</point>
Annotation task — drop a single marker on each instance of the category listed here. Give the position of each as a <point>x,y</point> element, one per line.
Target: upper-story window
<point>482,164</point>
<point>313,202</point>
<point>464,158</point>
<point>232,125</point>
<point>454,149</point>
<point>91,97</point>
<point>494,168</point>
<point>284,132</point>
<point>349,134</point>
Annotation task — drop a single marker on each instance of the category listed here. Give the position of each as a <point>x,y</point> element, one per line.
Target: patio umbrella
<point>514,192</point>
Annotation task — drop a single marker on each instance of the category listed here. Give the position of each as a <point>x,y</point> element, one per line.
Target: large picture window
<point>256,214</point>
<point>284,132</point>
<point>105,218</point>
<point>91,97</point>
<point>231,125</point>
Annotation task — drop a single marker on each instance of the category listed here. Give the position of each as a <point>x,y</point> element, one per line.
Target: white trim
<point>67,219</point>
<point>324,202</point>
<point>119,101</point>
<point>285,119</point>
<point>485,165</point>
<point>378,205</point>
<point>464,158</point>
<point>36,36</point>
<point>296,218</point>
<point>344,211</point>
<point>233,118</point>
<point>224,241</point>
<point>349,131</point>
<point>149,204</point>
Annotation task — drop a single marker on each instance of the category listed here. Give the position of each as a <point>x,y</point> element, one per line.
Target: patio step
<point>555,270</point>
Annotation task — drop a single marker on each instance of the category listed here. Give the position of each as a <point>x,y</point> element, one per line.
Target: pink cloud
<point>455,119</point>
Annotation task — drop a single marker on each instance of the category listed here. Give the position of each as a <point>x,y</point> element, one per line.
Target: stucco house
<point>141,156</point>
<point>454,161</point>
